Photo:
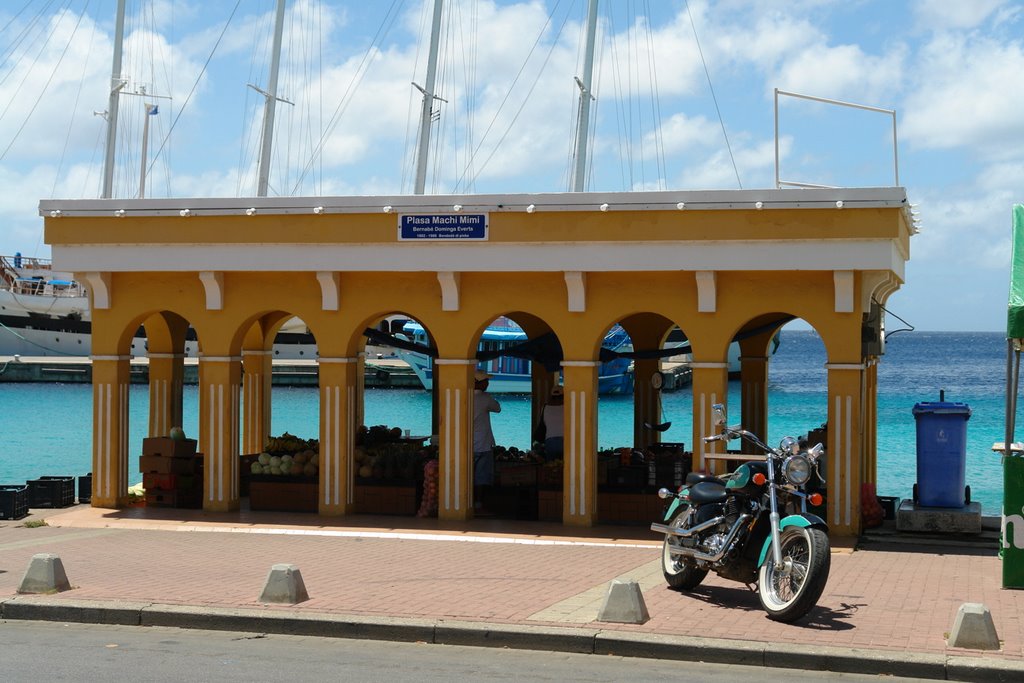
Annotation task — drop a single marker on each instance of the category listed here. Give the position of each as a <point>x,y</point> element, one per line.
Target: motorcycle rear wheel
<point>680,574</point>
<point>789,593</point>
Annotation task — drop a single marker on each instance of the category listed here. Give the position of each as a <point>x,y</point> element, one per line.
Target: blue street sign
<point>443,226</point>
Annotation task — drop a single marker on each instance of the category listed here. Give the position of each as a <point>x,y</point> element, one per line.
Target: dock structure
<point>722,266</point>
<point>389,373</point>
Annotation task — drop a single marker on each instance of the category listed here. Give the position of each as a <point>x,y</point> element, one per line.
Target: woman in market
<point>483,439</point>
<point>551,431</point>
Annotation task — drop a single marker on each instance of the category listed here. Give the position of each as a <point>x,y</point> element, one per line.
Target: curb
<point>513,636</point>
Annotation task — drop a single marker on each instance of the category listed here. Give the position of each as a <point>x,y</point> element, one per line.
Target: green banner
<point>1012,540</point>
<point>1015,314</point>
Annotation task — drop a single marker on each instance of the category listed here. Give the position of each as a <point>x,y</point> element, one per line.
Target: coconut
<point>264,458</point>
<point>308,470</point>
<point>177,433</point>
<point>365,471</point>
<point>256,468</point>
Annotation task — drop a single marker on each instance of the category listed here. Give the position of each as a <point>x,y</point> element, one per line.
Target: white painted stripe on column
<point>351,445</point>
<point>247,392</point>
<point>448,449</point>
<point>583,453</point>
<point>458,447</point>
<point>573,453</point>
<point>327,447</point>
<point>122,456</point>
<point>848,455</point>
<point>99,441</point>
<point>336,449</point>
<point>210,413</point>
<point>703,420</point>
<point>220,442</point>
<point>834,474</point>
<point>233,450</point>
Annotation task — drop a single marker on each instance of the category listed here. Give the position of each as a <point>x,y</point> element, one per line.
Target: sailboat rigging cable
<point>508,93</point>
<point>346,98</point>
<point>713,97</point>
<point>195,84</point>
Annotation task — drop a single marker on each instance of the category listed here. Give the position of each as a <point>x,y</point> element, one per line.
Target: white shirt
<point>554,421</point>
<point>483,405</point>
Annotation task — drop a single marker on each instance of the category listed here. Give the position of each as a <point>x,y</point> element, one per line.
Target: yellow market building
<point>719,265</point>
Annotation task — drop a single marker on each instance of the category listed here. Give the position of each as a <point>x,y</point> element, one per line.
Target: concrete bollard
<point>973,628</point>
<point>45,574</point>
<point>624,604</point>
<point>284,585</point>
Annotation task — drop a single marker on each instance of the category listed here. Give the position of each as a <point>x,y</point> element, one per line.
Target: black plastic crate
<point>85,488</point>
<point>51,492</point>
<point>13,501</point>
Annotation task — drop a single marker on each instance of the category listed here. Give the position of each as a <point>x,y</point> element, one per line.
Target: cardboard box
<point>516,474</point>
<point>174,499</point>
<point>158,464</point>
<point>168,482</point>
<point>283,496</point>
<point>169,448</point>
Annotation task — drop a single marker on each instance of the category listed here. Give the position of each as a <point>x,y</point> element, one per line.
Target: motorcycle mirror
<point>718,415</point>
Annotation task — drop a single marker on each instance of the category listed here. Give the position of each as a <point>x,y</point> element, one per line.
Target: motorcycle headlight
<point>797,469</point>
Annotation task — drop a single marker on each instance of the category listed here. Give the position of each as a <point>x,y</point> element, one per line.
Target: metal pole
<point>895,151</point>
<point>1012,377</point>
<point>270,107</point>
<point>115,88</point>
<point>580,172</point>
<point>145,147</point>
<point>777,186</point>
<point>428,100</point>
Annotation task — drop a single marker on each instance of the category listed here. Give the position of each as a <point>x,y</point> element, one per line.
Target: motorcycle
<point>750,526</point>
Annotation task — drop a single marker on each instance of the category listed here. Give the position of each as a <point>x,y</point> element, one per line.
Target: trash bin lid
<point>942,407</point>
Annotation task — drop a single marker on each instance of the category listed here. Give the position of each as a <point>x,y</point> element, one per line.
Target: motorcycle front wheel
<point>789,592</point>
<point>680,574</point>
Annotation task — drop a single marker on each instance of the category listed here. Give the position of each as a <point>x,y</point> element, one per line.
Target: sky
<point>683,98</point>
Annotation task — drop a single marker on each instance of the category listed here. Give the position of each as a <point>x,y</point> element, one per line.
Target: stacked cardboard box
<point>172,472</point>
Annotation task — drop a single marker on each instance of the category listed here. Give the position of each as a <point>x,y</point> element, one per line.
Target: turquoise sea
<point>46,428</point>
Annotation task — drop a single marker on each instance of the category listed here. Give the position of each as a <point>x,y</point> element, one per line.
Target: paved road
<point>43,651</point>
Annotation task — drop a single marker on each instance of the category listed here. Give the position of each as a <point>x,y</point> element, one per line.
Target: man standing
<point>483,438</point>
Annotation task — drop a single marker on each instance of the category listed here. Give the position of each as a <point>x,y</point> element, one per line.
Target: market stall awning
<point>1015,314</point>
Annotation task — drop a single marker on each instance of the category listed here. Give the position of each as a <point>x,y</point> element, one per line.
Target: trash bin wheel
<point>915,494</point>
<point>967,495</point>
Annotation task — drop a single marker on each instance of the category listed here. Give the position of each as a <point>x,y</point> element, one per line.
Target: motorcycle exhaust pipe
<point>690,552</point>
<point>686,533</point>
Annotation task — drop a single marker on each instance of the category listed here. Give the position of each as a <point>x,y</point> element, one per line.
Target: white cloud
<point>842,72</point>
<point>943,14</point>
<point>969,94</point>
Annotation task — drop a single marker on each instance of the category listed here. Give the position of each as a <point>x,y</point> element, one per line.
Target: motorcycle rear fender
<point>804,519</point>
<point>673,508</point>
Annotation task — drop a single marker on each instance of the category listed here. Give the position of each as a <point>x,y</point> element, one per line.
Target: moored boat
<point>512,373</point>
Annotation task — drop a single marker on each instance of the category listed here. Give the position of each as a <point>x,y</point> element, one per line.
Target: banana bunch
<point>289,443</point>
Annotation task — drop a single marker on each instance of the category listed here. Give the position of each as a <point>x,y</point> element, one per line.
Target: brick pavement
<point>887,595</point>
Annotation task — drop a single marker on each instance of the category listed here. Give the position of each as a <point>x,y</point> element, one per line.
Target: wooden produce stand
<point>389,474</point>
<point>284,478</point>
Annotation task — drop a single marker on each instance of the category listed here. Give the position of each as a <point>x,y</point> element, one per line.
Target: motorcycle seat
<point>707,492</point>
<point>697,477</point>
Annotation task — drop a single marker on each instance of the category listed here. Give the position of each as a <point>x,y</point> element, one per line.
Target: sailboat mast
<point>580,172</point>
<point>428,100</point>
<point>116,83</point>
<point>270,107</point>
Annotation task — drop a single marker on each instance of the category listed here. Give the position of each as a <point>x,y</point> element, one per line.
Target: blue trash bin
<point>941,454</point>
